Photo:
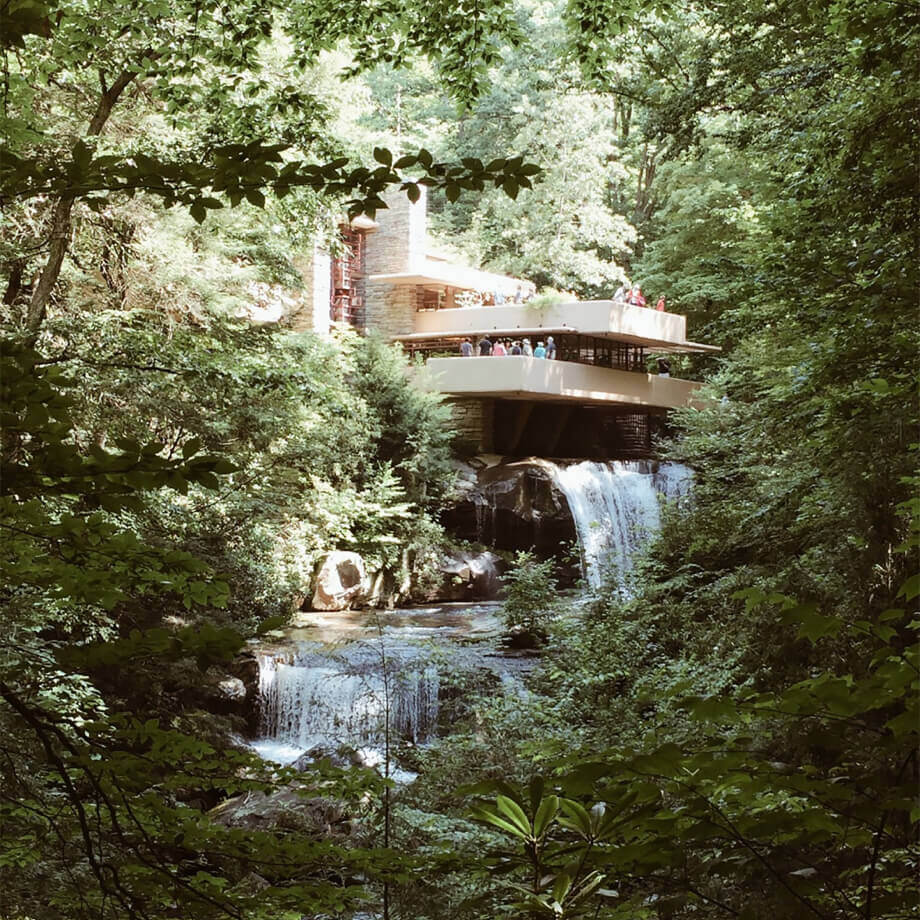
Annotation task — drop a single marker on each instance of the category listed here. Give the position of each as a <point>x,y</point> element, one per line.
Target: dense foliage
<point>738,738</point>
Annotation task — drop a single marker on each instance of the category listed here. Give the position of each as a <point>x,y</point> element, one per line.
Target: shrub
<point>530,596</point>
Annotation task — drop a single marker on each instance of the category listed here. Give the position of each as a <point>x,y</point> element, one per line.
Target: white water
<point>616,509</point>
<point>310,699</point>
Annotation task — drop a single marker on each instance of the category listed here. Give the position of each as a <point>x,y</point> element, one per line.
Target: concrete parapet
<point>513,377</point>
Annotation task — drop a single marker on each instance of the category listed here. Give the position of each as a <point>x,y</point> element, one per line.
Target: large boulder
<point>513,505</point>
<point>287,809</point>
<point>338,756</point>
<point>471,576</point>
<point>341,582</point>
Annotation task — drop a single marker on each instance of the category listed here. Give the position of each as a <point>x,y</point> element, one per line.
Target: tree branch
<point>61,216</point>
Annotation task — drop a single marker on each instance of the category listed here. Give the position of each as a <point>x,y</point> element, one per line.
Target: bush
<point>530,596</point>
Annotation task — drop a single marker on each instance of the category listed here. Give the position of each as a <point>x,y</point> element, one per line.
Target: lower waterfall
<point>340,680</point>
<point>309,699</point>
<point>616,509</point>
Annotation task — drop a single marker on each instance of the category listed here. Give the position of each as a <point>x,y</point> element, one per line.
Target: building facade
<point>595,398</point>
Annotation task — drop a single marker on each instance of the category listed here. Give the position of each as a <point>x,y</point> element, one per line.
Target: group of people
<point>497,298</point>
<point>633,295</point>
<point>500,347</point>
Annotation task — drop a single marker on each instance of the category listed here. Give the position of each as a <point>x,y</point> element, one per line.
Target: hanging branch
<point>63,209</point>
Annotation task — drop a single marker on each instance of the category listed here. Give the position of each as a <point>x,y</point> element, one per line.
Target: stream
<point>356,679</point>
<point>340,679</point>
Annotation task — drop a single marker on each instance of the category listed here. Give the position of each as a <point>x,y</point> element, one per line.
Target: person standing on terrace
<point>466,348</point>
<point>498,349</point>
<point>539,351</point>
<point>660,305</point>
<point>636,298</point>
<point>485,346</point>
<point>550,347</point>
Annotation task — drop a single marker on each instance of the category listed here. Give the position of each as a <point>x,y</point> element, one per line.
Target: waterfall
<point>310,699</point>
<point>616,510</point>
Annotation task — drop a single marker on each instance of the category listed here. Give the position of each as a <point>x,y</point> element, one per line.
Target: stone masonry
<point>473,422</point>
<point>397,245</point>
<point>315,269</point>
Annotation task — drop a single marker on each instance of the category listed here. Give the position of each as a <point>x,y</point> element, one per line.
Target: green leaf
<point>514,813</point>
<point>576,817</point>
<point>485,816</point>
<point>911,588</point>
<point>535,789</point>
<point>545,814</point>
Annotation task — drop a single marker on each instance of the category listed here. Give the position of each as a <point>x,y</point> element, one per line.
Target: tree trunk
<point>14,283</point>
<point>61,216</point>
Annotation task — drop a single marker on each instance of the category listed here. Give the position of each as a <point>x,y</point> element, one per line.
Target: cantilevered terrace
<point>601,353</point>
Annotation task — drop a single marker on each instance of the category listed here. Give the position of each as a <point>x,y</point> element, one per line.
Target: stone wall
<point>391,308</point>
<point>473,420</point>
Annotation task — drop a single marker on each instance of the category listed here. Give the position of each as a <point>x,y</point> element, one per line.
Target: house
<point>596,399</point>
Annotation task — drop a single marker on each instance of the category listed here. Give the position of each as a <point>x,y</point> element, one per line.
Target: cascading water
<point>322,685</point>
<point>309,699</point>
<point>616,509</point>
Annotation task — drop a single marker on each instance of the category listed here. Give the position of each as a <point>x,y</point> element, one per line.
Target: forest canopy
<point>736,738</point>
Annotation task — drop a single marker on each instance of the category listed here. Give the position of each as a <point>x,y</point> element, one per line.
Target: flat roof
<point>446,274</point>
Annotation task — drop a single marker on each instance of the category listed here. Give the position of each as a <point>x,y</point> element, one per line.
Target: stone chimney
<point>399,242</point>
<point>397,245</point>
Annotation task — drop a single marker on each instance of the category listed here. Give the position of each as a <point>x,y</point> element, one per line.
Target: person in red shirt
<point>660,305</point>
<point>636,298</point>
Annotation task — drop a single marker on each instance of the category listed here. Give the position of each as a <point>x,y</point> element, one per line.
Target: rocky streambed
<point>341,684</point>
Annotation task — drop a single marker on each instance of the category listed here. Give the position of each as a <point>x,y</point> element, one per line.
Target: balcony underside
<point>539,379</point>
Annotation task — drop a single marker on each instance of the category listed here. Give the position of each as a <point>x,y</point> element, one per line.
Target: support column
<point>474,424</point>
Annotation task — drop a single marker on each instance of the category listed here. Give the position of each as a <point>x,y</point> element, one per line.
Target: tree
<point>571,231</point>
<point>104,62</point>
<point>802,478</point>
<point>729,828</point>
<point>111,116</point>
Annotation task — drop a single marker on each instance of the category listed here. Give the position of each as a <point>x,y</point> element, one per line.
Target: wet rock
<point>379,589</point>
<point>471,576</point>
<point>341,582</point>
<point>245,668</point>
<point>521,640</point>
<point>513,505</point>
<point>286,809</point>
<point>337,756</point>
<point>232,689</point>
<point>223,693</point>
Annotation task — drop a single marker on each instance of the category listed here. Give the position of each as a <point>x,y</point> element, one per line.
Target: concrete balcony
<point>601,318</point>
<point>518,377</point>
